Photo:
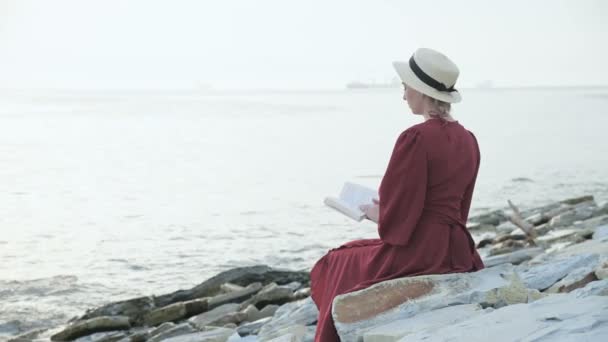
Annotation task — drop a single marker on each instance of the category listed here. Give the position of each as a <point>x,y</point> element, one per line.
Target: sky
<point>285,44</point>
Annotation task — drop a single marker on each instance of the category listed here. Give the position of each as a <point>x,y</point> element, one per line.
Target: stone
<point>303,312</point>
<point>91,326</point>
<point>229,287</point>
<point>252,313</point>
<point>397,329</point>
<point>230,325</point>
<point>594,288</point>
<point>135,309</point>
<point>302,293</point>
<point>481,227</point>
<point>252,327</point>
<point>177,330</point>
<point>309,336</point>
<point>236,338</point>
<point>579,200</point>
<point>557,235</point>
<point>113,336</point>
<point>215,335</point>
<point>506,228</point>
<point>405,297</point>
<point>601,271</point>
<point>236,296</point>
<point>599,247</point>
<point>269,310</point>
<point>175,312</point>
<point>227,313</point>
<point>294,332</point>
<point>242,276</point>
<point>506,247</point>
<point>543,276</point>
<point>577,278</point>
<point>161,328</point>
<point>294,286</point>
<point>580,212</point>
<point>558,317</point>
<point>515,258</point>
<point>601,232</point>
<point>270,294</point>
<point>286,338</point>
<point>136,336</point>
<point>494,218</point>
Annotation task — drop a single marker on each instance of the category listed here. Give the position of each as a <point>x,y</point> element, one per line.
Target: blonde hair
<point>444,108</point>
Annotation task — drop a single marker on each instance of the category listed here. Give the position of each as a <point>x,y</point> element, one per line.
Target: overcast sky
<point>295,44</point>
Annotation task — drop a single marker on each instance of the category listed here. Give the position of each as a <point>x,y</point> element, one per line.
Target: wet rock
<point>177,330</point>
<point>431,320</point>
<point>558,317</point>
<point>303,313</point>
<point>514,258</point>
<point>224,314</point>
<point>543,276</point>
<point>405,297</point>
<point>215,335</point>
<point>271,294</point>
<point>135,309</point>
<point>175,312</point>
<point>236,296</point>
<point>91,326</point>
<point>240,276</point>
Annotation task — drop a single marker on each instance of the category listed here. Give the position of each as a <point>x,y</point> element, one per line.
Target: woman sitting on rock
<point>425,196</point>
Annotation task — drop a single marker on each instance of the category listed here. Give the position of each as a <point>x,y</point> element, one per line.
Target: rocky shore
<point>546,279</point>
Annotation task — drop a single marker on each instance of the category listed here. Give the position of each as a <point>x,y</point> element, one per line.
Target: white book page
<point>351,197</point>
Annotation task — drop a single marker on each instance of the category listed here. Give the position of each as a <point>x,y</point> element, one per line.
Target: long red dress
<point>425,196</point>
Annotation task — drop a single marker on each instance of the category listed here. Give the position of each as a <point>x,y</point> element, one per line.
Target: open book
<point>351,197</point>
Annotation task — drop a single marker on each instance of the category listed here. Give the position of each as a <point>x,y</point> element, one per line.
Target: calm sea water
<point>109,195</point>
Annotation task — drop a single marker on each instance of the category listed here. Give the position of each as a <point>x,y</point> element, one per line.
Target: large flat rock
<point>558,317</point>
<point>395,299</point>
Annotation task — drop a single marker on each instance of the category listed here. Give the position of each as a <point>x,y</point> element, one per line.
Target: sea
<point>107,195</point>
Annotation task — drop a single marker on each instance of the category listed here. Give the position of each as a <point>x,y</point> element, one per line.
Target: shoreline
<point>261,303</point>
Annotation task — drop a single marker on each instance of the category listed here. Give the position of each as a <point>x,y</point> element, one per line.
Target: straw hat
<point>431,73</point>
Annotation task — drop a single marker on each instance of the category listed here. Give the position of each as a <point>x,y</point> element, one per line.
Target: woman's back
<point>452,164</point>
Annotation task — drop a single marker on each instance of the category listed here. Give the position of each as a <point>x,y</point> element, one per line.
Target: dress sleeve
<point>403,189</point>
<point>465,205</point>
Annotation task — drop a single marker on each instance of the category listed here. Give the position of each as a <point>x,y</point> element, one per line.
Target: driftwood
<point>527,227</point>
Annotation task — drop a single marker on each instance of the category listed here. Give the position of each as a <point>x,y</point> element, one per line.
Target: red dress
<point>425,196</point>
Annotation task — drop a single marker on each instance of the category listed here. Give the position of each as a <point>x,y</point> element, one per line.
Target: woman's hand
<point>372,211</point>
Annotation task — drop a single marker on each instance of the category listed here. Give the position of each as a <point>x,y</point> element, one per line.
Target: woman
<point>425,196</point>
